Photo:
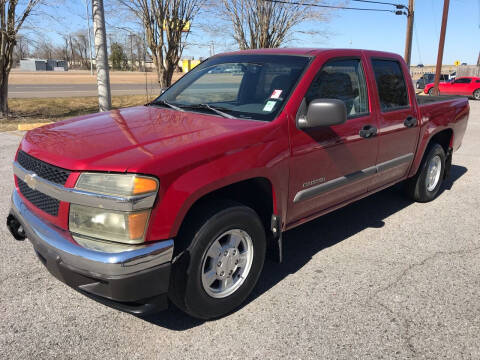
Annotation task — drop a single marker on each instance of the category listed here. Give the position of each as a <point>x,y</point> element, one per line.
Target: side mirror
<point>322,112</point>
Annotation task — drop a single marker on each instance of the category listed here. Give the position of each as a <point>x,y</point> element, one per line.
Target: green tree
<point>118,58</point>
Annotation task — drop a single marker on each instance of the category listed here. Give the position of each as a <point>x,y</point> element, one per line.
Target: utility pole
<point>441,43</point>
<point>212,48</point>
<point>408,41</point>
<point>89,37</point>
<point>110,40</point>
<point>131,51</point>
<point>101,54</point>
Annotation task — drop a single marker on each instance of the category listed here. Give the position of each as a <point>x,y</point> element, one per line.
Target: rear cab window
<point>391,85</point>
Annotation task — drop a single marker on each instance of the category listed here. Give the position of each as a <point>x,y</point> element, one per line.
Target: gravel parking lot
<point>381,278</point>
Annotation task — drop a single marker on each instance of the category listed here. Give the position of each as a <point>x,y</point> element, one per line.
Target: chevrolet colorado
<point>181,200</point>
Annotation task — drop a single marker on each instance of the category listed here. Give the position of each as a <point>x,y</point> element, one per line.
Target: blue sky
<point>355,29</point>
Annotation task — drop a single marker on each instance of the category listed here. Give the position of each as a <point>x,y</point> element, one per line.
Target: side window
<point>391,86</point>
<point>463,81</point>
<point>343,80</point>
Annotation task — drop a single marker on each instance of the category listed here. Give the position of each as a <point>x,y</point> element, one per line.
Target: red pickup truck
<point>182,199</point>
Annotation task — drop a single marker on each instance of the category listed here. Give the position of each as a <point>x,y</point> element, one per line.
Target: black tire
<point>431,91</point>
<point>203,227</point>
<point>476,94</point>
<point>416,187</point>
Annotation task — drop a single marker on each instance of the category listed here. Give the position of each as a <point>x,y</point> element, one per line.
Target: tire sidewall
<point>423,193</point>
<point>476,94</point>
<point>197,301</point>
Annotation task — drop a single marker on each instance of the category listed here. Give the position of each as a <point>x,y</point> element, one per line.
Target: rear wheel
<point>222,263</point>
<point>476,94</point>
<point>425,185</point>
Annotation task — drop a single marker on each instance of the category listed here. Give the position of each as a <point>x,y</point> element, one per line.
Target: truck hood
<point>119,140</point>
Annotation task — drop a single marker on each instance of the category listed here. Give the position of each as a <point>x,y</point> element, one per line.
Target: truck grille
<point>42,169</point>
<point>40,200</point>
<point>47,172</point>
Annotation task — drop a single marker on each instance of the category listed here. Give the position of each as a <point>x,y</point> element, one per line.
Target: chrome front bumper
<point>126,276</point>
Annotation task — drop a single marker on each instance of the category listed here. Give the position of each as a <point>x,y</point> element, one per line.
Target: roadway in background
<point>76,90</point>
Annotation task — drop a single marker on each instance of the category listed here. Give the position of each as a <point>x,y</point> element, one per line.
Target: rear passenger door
<point>398,129</point>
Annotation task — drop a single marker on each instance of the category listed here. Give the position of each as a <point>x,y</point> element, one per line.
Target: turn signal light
<point>143,185</point>
<point>137,224</point>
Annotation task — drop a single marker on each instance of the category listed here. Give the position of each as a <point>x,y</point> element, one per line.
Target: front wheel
<point>476,94</point>
<point>222,262</point>
<point>431,91</point>
<point>425,185</point>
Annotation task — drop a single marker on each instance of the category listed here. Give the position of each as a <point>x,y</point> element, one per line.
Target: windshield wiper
<point>215,109</point>
<point>166,103</point>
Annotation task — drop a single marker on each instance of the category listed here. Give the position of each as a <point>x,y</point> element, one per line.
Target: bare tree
<point>81,45</point>
<point>21,50</point>
<point>166,27</point>
<point>42,48</point>
<point>264,24</point>
<point>10,23</point>
<point>72,51</point>
<point>75,49</point>
<point>66,56</point>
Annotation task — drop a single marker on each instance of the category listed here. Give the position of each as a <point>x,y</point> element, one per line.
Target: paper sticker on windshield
<point>276,94</point>
<point>269,105</point>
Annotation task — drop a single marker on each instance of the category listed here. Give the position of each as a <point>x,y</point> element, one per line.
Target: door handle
<point>410,121</point>
<point>368,131</point>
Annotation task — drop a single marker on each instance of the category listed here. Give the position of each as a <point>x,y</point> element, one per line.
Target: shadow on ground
<point>303,242</point>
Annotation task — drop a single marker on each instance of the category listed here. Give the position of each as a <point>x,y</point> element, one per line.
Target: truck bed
<point>444,112</point>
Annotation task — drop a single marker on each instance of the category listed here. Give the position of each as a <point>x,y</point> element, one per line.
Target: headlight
<point>110,225</point>
<point>116,184</point>
<point>104,246</point>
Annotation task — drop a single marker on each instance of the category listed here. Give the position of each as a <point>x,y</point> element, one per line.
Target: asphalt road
<point>76,90</point>
<point>381,278</point>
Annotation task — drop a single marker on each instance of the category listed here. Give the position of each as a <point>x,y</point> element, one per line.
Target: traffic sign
<point>456,63</point>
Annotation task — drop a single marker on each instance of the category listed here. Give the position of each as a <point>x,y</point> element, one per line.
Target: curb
<point>26,127</point>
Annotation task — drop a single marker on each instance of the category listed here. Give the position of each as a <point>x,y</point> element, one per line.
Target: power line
<point>417,40</point>
<point>334,7</point>
<point>398,6</point>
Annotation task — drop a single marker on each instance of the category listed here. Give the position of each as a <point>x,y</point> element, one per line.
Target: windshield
<point>242,86</point>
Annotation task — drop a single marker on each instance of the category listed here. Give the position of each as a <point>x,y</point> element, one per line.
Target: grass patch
<point>35,110</point>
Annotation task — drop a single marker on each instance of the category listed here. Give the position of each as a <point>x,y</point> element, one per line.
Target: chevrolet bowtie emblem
<point>31,181</point>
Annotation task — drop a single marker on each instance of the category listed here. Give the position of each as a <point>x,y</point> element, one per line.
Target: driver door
<point>333,164</point>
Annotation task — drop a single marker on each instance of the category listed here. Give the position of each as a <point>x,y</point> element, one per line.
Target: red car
<point>183,198</point>
<point>468,86</point>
